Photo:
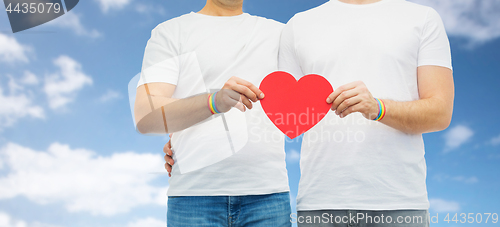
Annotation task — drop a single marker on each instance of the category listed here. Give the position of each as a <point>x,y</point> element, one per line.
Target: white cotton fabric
<point>354,163</point>
<point>199,53</point>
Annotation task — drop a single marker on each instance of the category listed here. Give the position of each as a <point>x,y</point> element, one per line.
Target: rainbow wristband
<point>215,103</point>
<point>382,110</point>
<point>211,103</point>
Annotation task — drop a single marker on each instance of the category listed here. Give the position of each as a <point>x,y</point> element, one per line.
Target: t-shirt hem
<point>436,63</point>
<point>157,79</point>
<point>203,192</point>
<point>422,206</point>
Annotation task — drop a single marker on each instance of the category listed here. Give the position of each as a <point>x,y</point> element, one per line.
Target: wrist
<point>212,103</point>
<point>382,110</point>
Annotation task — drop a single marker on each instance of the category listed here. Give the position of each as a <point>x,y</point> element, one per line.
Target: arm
<point>432,112</point>
<point>157,112</point>
<point>150,110</point>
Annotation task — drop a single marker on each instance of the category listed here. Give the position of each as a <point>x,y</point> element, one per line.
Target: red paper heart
<point>295,107</point>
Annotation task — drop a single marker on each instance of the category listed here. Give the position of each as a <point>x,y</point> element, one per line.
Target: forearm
<point>174,115</point>
<point>156,112</point>
<point>417,117</point>
<point>432,112</point>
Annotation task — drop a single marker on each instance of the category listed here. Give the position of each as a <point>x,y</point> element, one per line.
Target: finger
<point>170,143</point>
<point>170,152</point>
<point>342,97</point>
<point>168,168</point>
<point>246,102</point>
<point>232,93</point>
<point>339,90</point>
<point>169,160</point>
<point>166,148</point>
<point>240,106</point>
<point>246,92</point>
<point>252,87</point>
<point>350,110</point>
<point>233,87</point>
<point>234,99</point>
<point>347,100</point>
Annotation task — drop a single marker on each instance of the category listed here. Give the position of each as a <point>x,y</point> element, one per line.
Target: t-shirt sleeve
<point>434,46</point>
<point>288,59</point>
<point>161,58</point>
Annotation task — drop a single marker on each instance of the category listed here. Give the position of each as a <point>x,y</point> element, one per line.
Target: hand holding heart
<point>294,106</point>
<point>297,106</point>
<point>347,99</point>
<point>237,93</point>
<point>351,98</point>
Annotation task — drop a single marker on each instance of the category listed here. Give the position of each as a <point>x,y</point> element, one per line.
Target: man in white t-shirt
<point>218,47</point>
<point>389,62</point>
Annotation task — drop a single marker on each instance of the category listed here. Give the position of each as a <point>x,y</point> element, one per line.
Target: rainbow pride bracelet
<point>212,105</point>
<point>382,110</point>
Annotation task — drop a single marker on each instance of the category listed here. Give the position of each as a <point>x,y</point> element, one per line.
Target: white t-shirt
<point>240,153</point>
<point>354,163</point>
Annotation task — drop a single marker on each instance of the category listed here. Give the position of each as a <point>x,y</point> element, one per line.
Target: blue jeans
<point>231,211</point>
<point>362,218</point>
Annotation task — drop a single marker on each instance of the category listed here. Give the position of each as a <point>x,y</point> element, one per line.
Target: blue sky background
<point>69,154</point>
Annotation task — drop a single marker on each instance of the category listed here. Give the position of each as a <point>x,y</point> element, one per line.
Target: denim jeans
<point>231,211</point>
<point>362,218</point>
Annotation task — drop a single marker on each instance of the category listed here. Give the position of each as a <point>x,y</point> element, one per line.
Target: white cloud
<point>80,179</point>
<point>29,78</point>
<point>441,205</point>
<point>7,221</point>
<point>293,156</point>
<point>149,9</point>
<point>107,5</point>
<point>461,179</point>
<point>16,105</point>
<point>109,96</point>
<point>467,180</point>
<point>495,141</point>
<point>62,87</point>
<point>72,21</point>
<point>457,136</point>
<point>475,20</point>
<point>12,51</point>
<point>147,222</point>
<point>14,87</point>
